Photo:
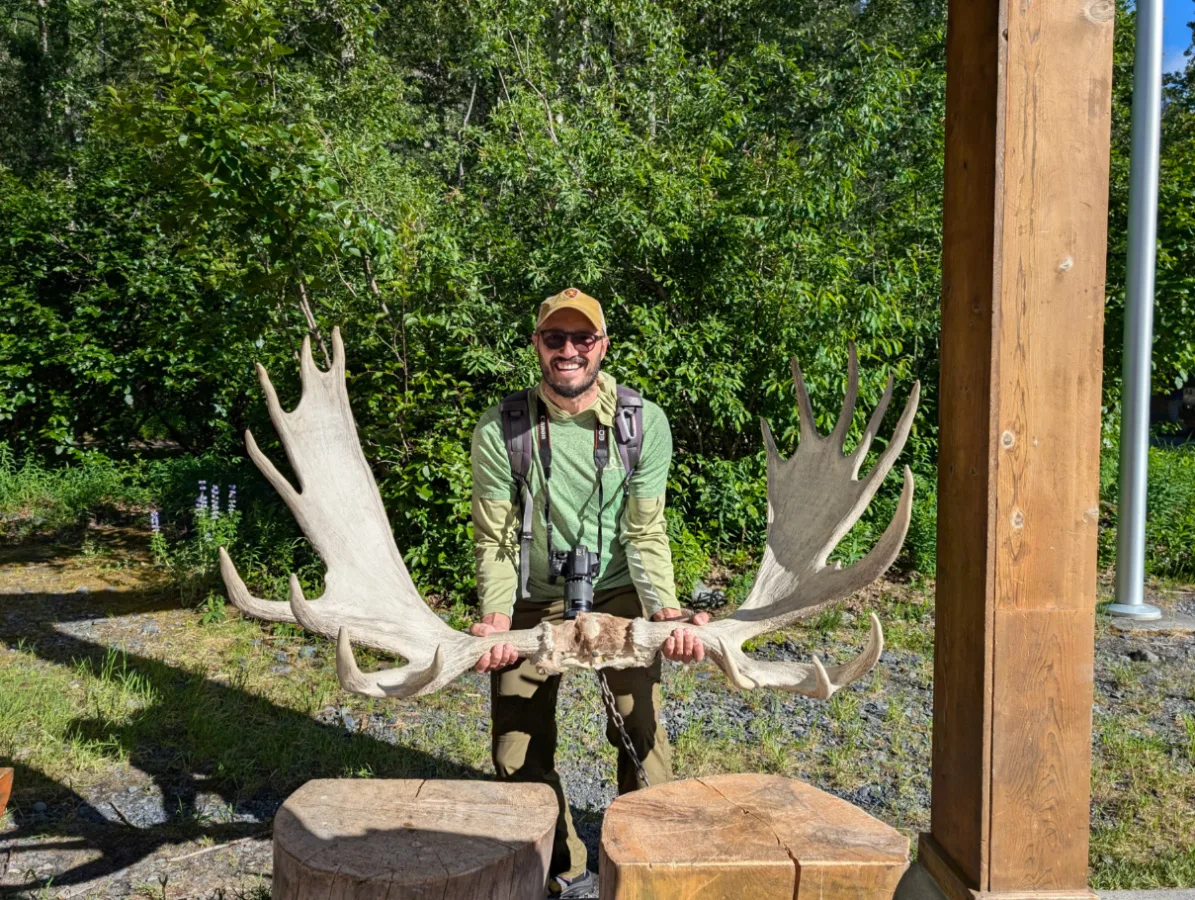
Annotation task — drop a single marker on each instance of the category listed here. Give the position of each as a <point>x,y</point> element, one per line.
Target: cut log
<point>5,788</point>
<point>761,837</point>
<point>365,839</point>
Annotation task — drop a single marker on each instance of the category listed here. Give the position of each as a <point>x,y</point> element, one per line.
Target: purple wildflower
<point>155,523</point>
<point>215,501</point>
<point>232,498</point>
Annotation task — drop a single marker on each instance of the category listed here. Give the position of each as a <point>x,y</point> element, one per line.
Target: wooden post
<point>5,788</point>
<point>1028,108</point>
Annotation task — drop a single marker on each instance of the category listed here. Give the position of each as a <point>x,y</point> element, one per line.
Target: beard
<point>572,389</point>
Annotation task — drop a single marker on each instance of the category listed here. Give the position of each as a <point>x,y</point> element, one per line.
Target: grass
<point>1143,834</point>
<point>1143,778</point>
<point>37,499</point>
<point>210,704</point>
<point>205,701</point>
<point>237,722</point>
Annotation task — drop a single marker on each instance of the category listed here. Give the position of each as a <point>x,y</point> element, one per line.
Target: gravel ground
<point>174,833</point>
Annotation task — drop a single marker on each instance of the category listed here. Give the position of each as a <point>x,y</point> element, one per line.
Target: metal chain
<point>616,718</point>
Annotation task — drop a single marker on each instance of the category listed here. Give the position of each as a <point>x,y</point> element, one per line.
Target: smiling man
<point>600,486</point>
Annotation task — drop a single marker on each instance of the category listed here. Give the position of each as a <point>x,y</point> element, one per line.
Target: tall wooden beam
<point>1028,108</point>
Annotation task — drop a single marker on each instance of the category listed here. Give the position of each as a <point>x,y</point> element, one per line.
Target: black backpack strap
<point>628,431</point>
<point>515,410</point>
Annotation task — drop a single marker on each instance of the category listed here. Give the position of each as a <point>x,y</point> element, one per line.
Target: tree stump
<point>367,839</point>
<point>752,836</point>
<point>5,788</point>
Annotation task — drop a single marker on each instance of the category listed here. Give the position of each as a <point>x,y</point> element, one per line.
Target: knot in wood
<point>1100,11</point>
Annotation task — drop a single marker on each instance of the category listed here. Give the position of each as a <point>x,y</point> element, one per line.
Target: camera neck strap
<point>545,460</point>
<point>601,456</point>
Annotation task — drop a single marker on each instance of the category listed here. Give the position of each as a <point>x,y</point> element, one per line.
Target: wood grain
<point>5,788</point>
<point>749,836</point>
<point>337,839</point>
<point>1027,137</point>
<point>1052,305</point>
<point>967,422</point>
<point>1041,753</point>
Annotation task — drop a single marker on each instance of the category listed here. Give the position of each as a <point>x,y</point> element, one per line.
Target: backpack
<point>515,411</point>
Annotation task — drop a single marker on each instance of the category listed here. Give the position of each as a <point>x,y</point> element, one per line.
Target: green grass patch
<point>224,713</point>
<point>1143,791</point>
<point>1170,526</point>
<point>39,499</point>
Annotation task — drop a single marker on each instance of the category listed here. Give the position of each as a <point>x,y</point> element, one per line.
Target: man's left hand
<point>682,645</point>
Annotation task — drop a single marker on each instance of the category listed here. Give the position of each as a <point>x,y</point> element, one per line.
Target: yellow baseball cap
<point>571,298</point>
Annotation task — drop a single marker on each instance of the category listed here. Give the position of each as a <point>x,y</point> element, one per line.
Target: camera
<point>579,567</point>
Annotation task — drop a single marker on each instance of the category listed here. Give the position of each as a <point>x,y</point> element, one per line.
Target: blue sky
<point>1176,36</point>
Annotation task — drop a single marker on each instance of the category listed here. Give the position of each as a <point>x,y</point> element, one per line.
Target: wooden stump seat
<point>5,788</point>
<point>761,837</point>
<point>411,839</point>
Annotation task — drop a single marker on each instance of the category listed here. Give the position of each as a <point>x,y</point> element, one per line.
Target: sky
<point>1176,36</point>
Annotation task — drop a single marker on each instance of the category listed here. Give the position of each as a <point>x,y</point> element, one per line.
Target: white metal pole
<point>1138,315</point>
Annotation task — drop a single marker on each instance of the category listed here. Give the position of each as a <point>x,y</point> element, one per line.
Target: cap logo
<point>571,292</point>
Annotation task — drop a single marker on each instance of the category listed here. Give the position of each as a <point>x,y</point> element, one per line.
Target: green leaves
<point>738,183</point>
<point>1174,295</point>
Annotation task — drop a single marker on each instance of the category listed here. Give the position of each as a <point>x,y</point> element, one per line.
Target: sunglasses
<point>582,340</point>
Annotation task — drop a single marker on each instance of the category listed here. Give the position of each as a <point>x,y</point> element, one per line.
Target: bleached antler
<point>813,499</point>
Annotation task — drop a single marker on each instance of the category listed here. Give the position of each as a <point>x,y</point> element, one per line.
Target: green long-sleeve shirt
<point>635,542</point>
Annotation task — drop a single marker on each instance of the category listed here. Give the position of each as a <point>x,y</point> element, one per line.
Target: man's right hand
<point>500,655</point>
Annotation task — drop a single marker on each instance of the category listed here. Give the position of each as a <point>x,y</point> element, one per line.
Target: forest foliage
<point>190,186</point>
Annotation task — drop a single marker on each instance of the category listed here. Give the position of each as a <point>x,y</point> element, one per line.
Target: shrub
<point>1170,505</point>
<point>37,499</point>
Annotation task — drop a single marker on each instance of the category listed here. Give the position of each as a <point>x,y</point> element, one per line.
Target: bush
<point>37,499</point>
<point>1170,504</point>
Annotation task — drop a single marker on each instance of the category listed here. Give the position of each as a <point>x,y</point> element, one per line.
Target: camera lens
<point>578,596</point>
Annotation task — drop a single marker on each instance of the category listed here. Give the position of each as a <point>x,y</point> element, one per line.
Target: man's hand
<point>500,655</point>
<point>682,645</point>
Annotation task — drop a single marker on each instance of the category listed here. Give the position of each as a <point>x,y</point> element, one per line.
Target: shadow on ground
<point>199,744</point>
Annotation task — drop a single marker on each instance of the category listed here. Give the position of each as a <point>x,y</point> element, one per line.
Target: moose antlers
<point>813,499</point>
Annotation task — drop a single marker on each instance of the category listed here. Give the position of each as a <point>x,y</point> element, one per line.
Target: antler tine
<point>843,675</point>
<point>309,372</point>
<point>276,479</point>
<point>304,613</point>
<point>277,413</point>
<point>812,679</point>
<point>338,363</point>
<point>842,426</point>
<point>873,426</point>
<point>408,681</point>
<point>808,425</point>
<point>238,593</point>
<point>775,460</point>
<point>843,582</point>
<point>895,444</point>
<point>278,416</point>
<point>768,440</point>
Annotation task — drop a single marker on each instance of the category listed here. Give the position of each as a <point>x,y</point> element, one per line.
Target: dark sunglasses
<point>582,340</point>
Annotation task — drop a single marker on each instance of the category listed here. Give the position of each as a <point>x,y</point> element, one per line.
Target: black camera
<point>579,567</point>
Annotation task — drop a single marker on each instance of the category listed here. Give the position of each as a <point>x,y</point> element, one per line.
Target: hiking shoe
<point>584,885</point>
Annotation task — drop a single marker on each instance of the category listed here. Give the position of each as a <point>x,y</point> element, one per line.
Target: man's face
<point>570,370</point>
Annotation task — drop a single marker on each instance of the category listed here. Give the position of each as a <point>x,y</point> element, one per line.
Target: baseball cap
<point>571,298</point>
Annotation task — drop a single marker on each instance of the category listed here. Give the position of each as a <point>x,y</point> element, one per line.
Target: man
<point>634,578</point>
